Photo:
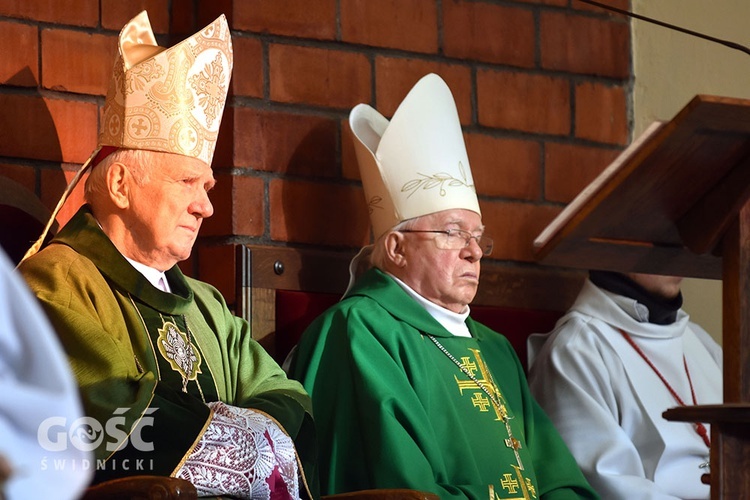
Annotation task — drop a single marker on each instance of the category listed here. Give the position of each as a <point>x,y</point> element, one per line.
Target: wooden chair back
<point>22,218</point>
<point>281,290</point>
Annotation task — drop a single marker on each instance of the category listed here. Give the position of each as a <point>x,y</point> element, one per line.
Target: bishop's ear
<point>118,184</point>
<point>395,248</point>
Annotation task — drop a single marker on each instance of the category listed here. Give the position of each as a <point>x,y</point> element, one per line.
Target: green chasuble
<point>394,411</point>
<point>146,357</point>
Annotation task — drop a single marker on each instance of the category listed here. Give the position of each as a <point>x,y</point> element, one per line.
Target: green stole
<point>180,361</point>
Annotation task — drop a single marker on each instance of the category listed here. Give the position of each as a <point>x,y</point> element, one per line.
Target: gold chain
<point>511,442</point>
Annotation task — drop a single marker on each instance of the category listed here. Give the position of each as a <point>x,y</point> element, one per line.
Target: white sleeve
<point>577,379</point>
<point>243,453</point>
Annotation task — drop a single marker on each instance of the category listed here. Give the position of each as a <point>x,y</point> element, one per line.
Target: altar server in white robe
<point>623,354</point>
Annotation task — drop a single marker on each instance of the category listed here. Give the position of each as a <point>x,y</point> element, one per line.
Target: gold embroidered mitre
<point>171,99</point>
<point>416,164</point>
<point>162,99</point>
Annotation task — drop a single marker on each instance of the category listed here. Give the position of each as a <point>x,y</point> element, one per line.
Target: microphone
<point>726,43</point>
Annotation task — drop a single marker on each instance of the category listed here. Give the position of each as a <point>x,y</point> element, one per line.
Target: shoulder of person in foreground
<point>38,389</point>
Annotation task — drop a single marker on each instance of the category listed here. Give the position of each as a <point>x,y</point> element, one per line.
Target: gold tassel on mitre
<point>159,99</point>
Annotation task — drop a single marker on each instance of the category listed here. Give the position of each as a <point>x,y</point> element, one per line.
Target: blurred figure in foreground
<point>40,402</point>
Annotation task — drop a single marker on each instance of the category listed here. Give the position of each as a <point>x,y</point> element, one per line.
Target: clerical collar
<point>455,323</point>
<point>154,276</point>
<point>647,306</point>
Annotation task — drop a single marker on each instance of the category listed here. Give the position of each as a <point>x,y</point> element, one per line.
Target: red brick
<point>519,101</point>
<point>76,123</point>
<point>568,168</point>
<point>320,77</point>
<point>321,214</point>
<point>504,167</point>
<point>395,24</point>
<point>238,207</point>
<point>224,151</point>
<point>47,129</point>
<point>490,33</point>
<point>247,207</point>
<point>514,226</point>
<point>394,77</point>
<point>558,3</point>
<point>582,44</point>
<point>182,18</point>
<point>618,4</point>
<point>73,12</point>
<point>247,74</point>
<point>209,11</point>
<point>22,174</point>
<point>287,143</point>
<point>601,113</point>
<point>115,13</point>
<point>53,184</point>
<point>77,62</point>
<point>298,18</point>
<point>216,266</point>
<point>19,66</point>
<point>349,166</point>
<point>220,223</point>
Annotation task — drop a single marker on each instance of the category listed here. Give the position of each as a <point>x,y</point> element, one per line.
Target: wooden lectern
<point>676,202</point>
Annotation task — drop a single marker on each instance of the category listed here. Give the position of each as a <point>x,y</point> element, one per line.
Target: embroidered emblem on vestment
<point>176,348</point>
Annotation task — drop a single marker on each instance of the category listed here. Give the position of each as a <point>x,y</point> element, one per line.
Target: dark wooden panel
<point>506,285</point>
<point>664,205</point>
<point>676,202</point>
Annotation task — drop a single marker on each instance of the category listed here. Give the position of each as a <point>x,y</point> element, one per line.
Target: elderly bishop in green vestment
<point>172,383</point>
<point>408,391</point>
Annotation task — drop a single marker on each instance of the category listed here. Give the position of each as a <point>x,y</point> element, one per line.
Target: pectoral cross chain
<point>514,444</point>
<point>511,442</point>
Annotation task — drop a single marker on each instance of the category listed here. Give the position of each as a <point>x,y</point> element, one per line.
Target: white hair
<point>136,160</point>
<point>378,256</point>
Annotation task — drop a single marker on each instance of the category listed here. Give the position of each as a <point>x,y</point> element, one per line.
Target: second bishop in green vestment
<point>396,409</point>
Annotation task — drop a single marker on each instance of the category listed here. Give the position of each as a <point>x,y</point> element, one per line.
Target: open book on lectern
<point>665,202</point>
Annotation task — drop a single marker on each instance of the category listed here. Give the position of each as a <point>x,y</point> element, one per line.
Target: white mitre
<point>416,164</point>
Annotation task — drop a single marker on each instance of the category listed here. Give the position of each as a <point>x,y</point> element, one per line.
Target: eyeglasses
<point>456,239</point>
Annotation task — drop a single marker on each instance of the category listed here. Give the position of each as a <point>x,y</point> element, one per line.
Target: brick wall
<point>543,89</point>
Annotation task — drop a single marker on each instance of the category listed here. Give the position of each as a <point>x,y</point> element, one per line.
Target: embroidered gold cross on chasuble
<point>484,394</point>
